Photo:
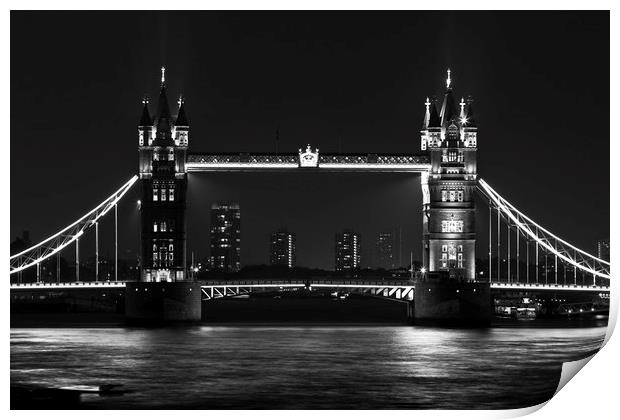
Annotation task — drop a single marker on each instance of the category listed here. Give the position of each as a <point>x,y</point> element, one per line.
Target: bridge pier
<point>411,312</point>
<point>161,302</point>
<point>440,300</point>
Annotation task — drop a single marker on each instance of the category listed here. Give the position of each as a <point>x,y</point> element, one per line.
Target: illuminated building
<point>385,250</point>
<point>225,237</point>
<point>450,139</point>
<point>282,248</point>
<point>602,248</point>
<point>347,251</point>
<point>162,146</point>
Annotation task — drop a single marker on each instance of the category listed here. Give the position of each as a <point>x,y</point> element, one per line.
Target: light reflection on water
<point>303,367</point>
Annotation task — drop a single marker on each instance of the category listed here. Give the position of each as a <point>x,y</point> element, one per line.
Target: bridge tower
<point>162,149</point>
<point>449,231</point>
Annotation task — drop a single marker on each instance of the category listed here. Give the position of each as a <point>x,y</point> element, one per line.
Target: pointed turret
<point>181,126</point>
<point>145,120</point>
<point>434,120</point>
<point>181,117</point>
<point>427,114</point>
<point>469,112</point>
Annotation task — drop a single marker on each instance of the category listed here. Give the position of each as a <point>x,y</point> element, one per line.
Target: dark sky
<point>354,81</point>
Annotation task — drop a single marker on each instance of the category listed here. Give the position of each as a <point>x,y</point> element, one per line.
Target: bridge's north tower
<point>162,146</point>
<point>450,137</point>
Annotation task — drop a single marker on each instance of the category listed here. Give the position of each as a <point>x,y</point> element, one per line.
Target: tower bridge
<point>450,184</point>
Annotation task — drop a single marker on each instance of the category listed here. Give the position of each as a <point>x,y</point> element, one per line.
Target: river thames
<point>305,366</point>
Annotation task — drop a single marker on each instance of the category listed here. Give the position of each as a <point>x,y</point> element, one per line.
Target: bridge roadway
<point>397,289</point>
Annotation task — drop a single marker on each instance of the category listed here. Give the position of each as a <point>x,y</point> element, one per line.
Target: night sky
<point>348,81</point>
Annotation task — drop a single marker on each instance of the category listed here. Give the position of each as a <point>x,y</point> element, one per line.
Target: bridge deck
<point>322,283</point>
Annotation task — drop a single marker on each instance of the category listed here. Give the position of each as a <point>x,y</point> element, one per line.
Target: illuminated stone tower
<point>449,228</point>
<point>162,145</point>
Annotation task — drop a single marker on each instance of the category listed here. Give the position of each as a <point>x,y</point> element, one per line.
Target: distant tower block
<point>162,149</point>
<point>449,231</point>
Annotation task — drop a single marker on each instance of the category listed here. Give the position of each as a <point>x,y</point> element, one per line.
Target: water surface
<point>309,367</point>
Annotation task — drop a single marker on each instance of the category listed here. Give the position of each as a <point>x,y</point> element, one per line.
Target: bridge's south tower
<point>450,137</point>
<point>162,145</point>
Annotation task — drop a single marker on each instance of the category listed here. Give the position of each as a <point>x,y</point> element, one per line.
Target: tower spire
<point>164,119</point>
<point>448,80</point>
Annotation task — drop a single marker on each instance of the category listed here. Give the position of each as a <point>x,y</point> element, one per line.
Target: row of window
<point>170,155</point>
<point>459,260</point>
<point>163,226</point>
<point>444,248</point>
<point>163,259</point>
<point>452,195</point>
<point>452,226</point>
<point>452,156</point>
<point>170,247</point>
<point>163,194</point>
<point>180,140</point>
<point>451,253</point>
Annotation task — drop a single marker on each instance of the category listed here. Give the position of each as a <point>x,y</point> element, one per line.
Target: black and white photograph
<point>306,209</point>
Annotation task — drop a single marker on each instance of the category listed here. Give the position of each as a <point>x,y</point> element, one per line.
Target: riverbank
<point>274,310</point>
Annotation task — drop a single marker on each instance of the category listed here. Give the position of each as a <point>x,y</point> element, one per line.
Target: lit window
<point>452,195</point>
<point>171,155</point>
<point>171,194</point>
<point>171,256</point>
<point>163,226</point>
<point>460,248</point>
<point>460,196</point>
<point>460,260</point>
<point>155,194</point>
<point>452,252</point>
<point>444,248</point>
<point>451,226</point>
<point>444,195</point>
<point>461,158</point>
<point>163,194</point>
<point>154,247</point>
<point>154,226</point>
<point>170,247</point>
<point>155,156</point>
<point>154,256</point>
